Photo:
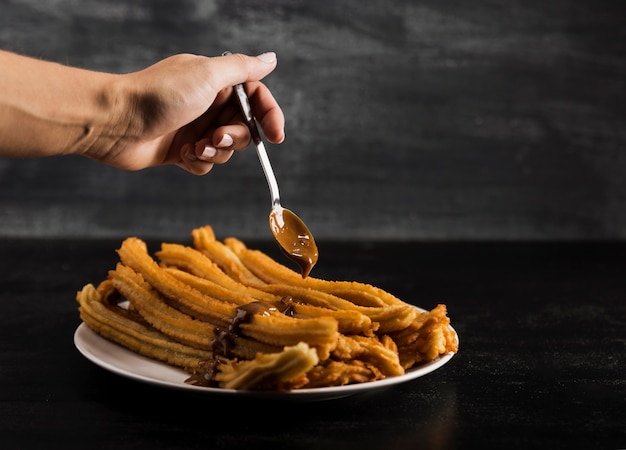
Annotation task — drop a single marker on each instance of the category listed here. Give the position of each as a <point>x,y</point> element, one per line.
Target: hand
<point>182,111</point>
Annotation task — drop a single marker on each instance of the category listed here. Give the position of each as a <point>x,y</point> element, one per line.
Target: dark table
<point>541,363</point>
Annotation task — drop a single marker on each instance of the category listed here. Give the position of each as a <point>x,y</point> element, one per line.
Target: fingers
<point>267,112</point>
<point>238,68</point>
<point>205,150</point>
<point>264,106</point>
<point>213,137</point>
<point>195,167</point>
<point>199,158</point>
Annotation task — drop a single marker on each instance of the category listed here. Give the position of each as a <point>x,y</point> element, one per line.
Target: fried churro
<point>234,318</point>
<point>257,269</point>
<point>116,324</point>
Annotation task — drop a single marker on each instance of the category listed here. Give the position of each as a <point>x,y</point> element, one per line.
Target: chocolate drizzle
<point>224,339</point>
<point>204,374</point>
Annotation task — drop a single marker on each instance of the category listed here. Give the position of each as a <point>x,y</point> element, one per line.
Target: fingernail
<point>227,141</point>
<point>267,57</point>
<point>208,152</point>
<point>190,154</point>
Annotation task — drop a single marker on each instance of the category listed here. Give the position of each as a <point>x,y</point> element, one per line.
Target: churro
<point>234,318</point>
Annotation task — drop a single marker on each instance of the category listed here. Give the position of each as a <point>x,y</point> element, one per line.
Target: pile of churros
<point>234,318</point>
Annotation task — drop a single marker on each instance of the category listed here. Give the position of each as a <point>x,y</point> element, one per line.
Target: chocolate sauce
<point>224,339</point>
<point>204,374</point>
<point>294,239</point>
<point>289,308</point>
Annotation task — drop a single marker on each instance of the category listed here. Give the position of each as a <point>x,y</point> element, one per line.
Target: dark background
<point>421,120</point>
<point>418,122</point>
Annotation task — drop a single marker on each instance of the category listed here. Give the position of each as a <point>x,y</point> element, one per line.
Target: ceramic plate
<point>126,363</point>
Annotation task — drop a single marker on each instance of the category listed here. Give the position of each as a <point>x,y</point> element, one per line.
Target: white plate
<point>124,362</point>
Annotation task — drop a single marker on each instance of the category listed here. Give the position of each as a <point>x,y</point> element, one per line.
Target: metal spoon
<point>292,235</point>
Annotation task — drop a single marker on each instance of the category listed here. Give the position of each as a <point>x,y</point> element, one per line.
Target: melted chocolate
<point>224,340</point>
<point>294,239</point>
<point>289,308</point>
<point>204,374</point>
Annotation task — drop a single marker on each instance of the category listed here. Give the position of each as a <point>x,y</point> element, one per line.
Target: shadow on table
<point>419,414</point>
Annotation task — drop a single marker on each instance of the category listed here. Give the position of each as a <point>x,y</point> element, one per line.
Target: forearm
<point>50,109</point>
<point>167,113</point>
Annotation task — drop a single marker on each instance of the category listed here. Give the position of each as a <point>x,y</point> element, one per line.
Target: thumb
<point>231,69</point>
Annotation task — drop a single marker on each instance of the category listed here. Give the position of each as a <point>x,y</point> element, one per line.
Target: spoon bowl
<point>291,234</point>
<point>294,238</point>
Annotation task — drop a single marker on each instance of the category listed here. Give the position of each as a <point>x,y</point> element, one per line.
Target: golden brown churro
<point>234,318</point>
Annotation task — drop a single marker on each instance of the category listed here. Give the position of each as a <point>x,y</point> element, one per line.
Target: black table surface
<point>541,363</point>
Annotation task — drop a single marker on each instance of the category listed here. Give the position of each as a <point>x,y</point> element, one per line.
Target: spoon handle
<point>244,103</point>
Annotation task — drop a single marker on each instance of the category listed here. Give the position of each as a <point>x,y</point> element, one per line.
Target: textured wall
<point>405,119</point>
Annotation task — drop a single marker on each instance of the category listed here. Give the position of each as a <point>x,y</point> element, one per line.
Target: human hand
<point>182,111</point>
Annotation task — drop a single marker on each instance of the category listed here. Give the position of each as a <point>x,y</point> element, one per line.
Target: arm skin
<point>178,111</point>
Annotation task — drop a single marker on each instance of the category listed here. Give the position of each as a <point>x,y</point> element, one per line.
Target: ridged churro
<point>234,318</point>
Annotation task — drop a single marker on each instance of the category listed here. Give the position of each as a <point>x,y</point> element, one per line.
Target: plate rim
<point>94,347</point>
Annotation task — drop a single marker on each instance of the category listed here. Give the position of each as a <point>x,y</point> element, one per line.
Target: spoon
<point>292,235</point>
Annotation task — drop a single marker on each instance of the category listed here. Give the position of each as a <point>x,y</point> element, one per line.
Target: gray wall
<point>424,120</point>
